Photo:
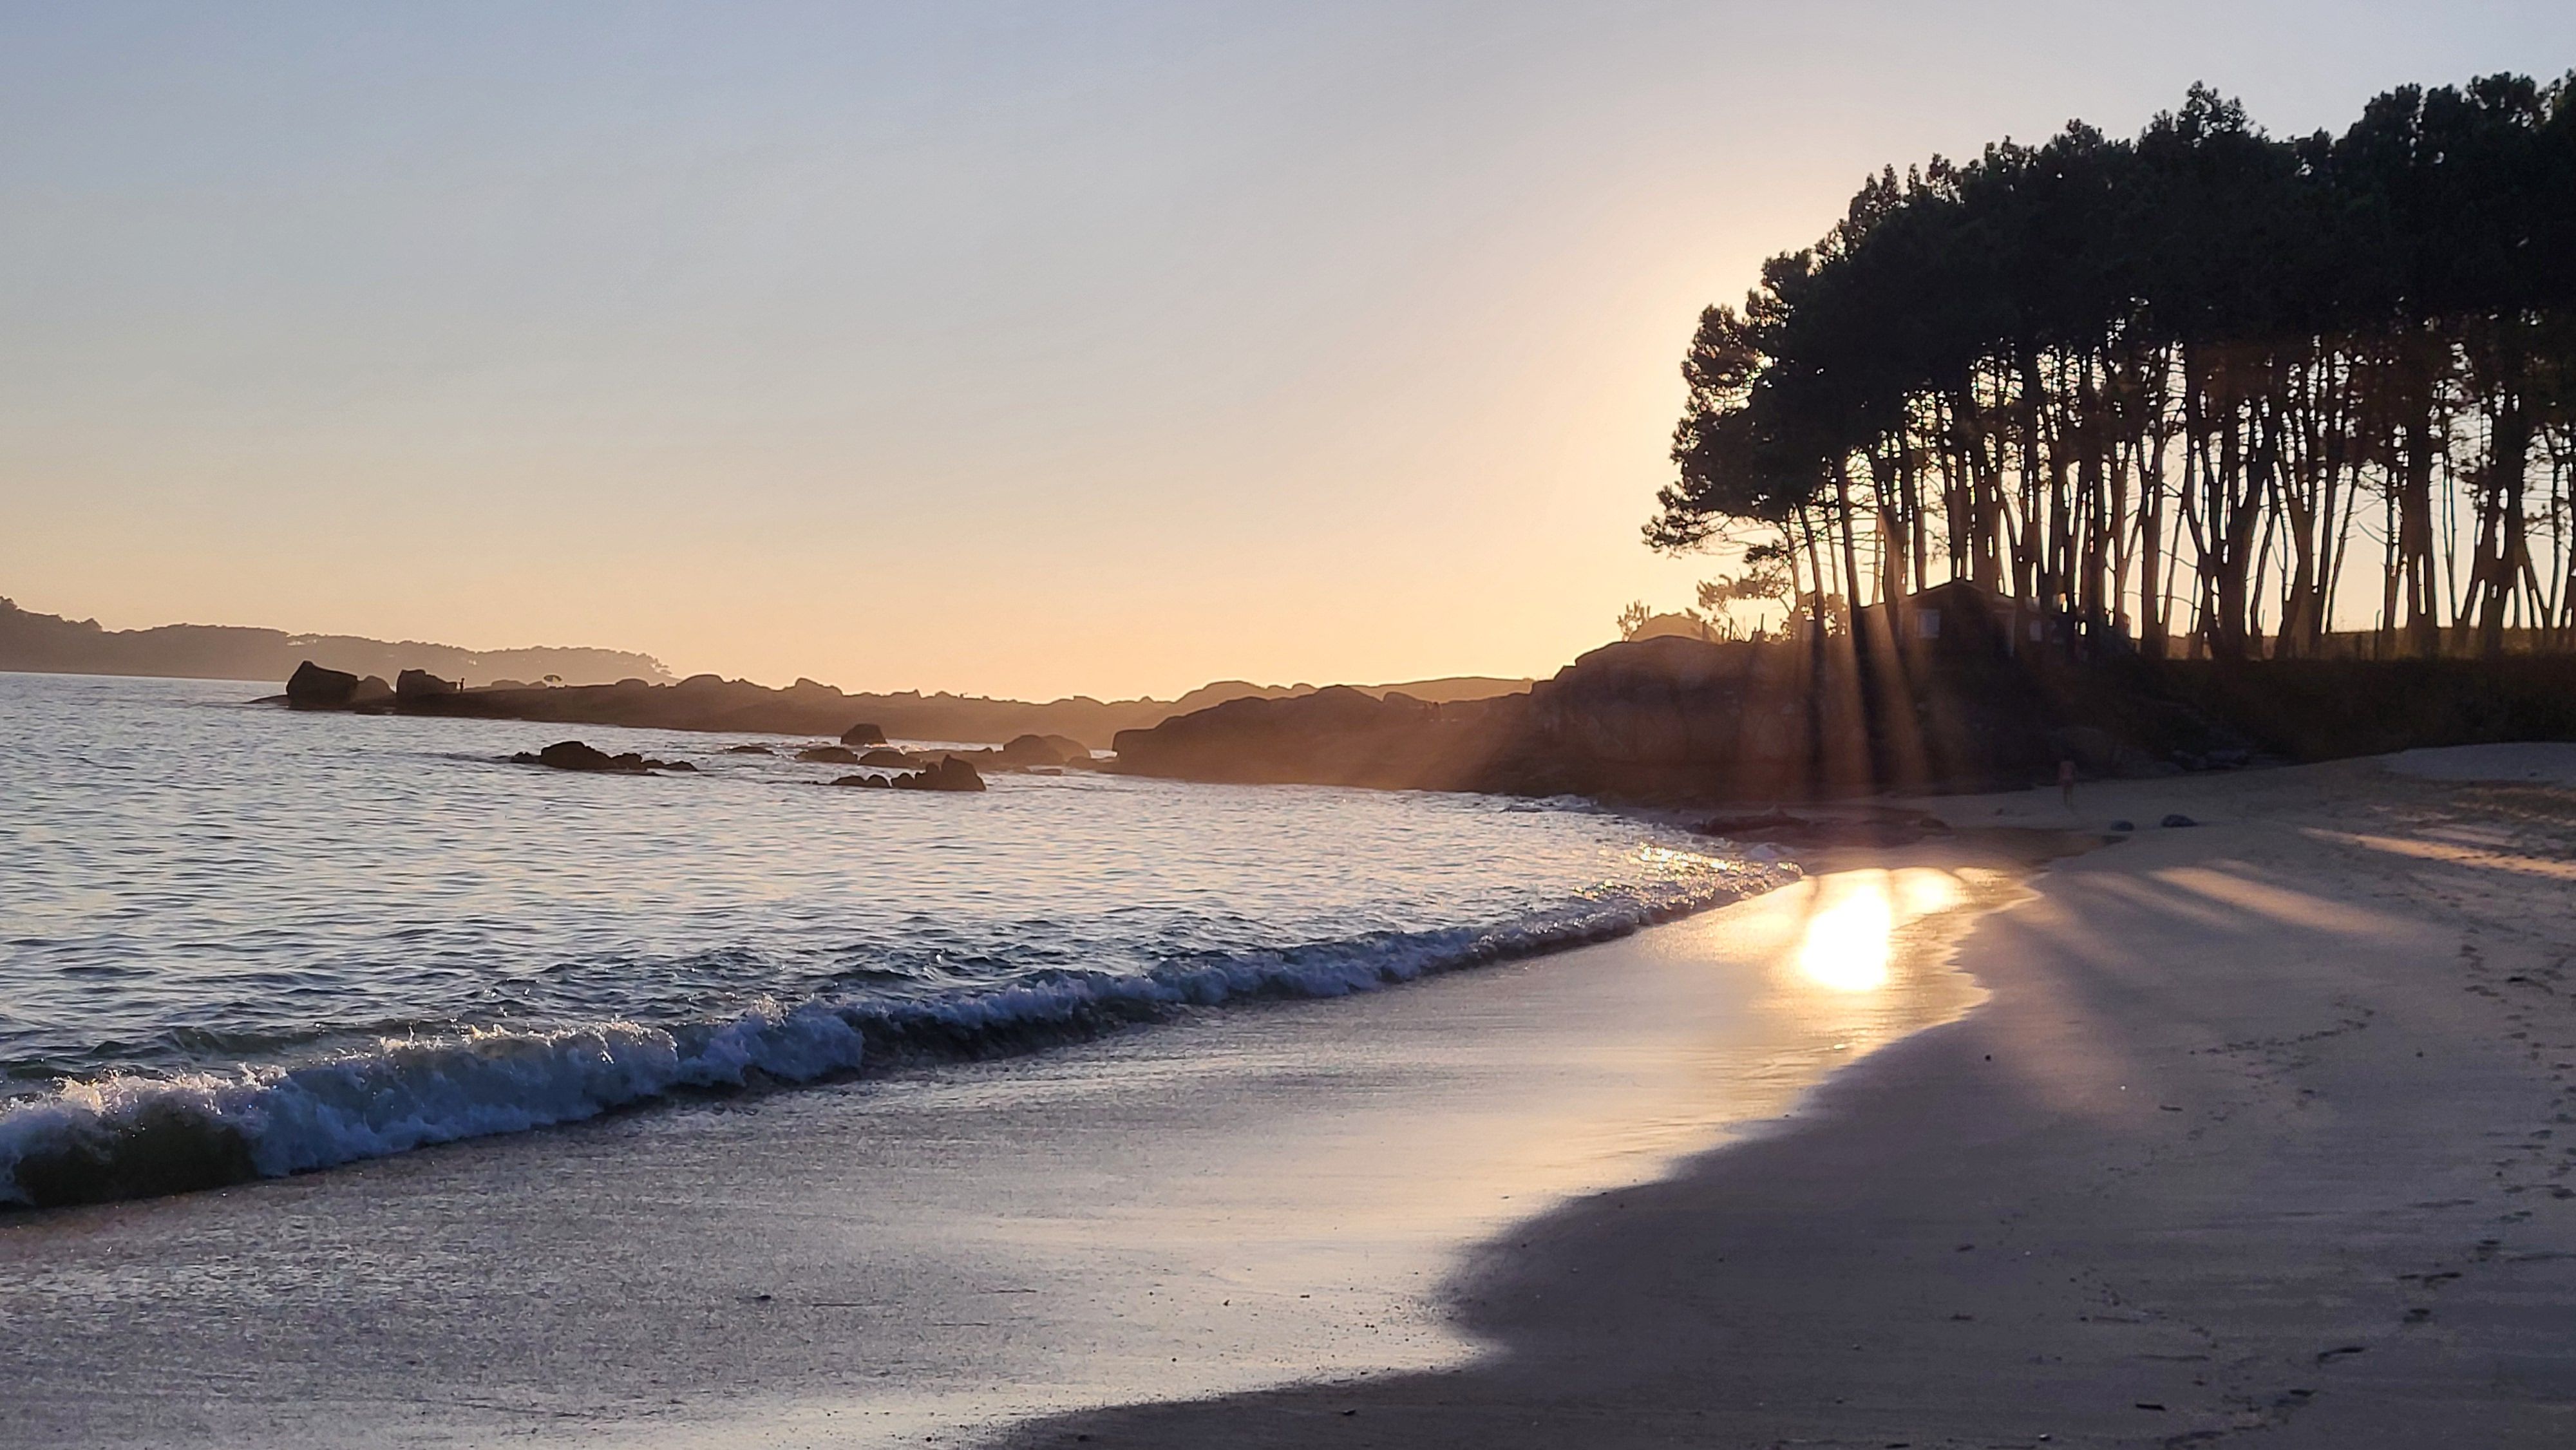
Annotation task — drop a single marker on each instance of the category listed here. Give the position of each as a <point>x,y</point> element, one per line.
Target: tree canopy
<point>2161,384</point>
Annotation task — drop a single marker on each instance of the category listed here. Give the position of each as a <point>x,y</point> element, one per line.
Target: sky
<point>1019,349</point>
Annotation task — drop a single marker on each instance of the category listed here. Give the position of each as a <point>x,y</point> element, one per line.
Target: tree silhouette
<point>2162,385</point>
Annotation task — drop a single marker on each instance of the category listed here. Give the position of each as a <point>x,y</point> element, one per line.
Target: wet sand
<point>1260,1196</point>
<point>2264,1136</point>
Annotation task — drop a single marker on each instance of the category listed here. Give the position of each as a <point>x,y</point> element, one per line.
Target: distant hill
<point>50,643</point>
<point>1452,688</point>
<point>53,644</point>
<point>1435,692</point>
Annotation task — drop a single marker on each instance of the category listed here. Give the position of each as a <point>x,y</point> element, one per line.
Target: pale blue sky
<point>1016,348</point>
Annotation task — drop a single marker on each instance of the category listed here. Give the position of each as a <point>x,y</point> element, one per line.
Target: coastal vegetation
<point>2208,391</point>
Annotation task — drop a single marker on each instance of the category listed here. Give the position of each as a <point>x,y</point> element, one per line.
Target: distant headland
<point>808,707</point>
<point>612,687</point>
<point>51,644</point>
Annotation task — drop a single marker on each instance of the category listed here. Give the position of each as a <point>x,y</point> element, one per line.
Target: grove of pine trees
<point>2219,391</point>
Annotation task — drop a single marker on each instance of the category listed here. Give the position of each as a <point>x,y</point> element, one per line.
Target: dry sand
<point>2264,1136</point>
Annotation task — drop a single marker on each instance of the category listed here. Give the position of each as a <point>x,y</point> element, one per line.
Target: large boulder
<point>860,734</point>
<point>895,758</point>
<point>1028,750</point>
<point>312,687</point>
<point>829,755</point>
<point>371,691</point>
<point>948,773</point>
<point>419,684</point>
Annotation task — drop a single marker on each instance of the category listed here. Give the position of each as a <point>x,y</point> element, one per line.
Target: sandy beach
<point>2262,1136</point>
<point>2255,1126</point>
<point>1256,1196</point>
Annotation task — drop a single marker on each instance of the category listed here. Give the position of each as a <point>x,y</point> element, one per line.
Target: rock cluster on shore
<point>1847,826</point>
<point>1686,721</point>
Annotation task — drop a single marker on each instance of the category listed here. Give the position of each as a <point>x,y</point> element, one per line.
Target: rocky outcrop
<point>828,755</point>
<point>420,684</point>
<point>1684,720</point>
<point>312,687</point>
<point>859,734</point>
<point>877,781</point>
<point>894,758</point>
<point>1336,736</point>
<point>371,691</point>
<point>578,755</point>
<point>948,773</point>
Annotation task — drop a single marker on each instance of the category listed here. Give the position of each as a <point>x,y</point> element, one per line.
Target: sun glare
<point>1849,939</point>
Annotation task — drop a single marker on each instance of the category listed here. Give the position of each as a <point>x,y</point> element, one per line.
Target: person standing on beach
<point>2066,783</point>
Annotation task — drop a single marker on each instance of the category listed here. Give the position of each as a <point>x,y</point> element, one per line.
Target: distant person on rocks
<point>2066,783</point>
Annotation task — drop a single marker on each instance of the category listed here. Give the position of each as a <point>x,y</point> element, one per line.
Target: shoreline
<point>1248,1196</point>
<point>120,1139</point>
<point>2255,1132</point>
<point>2248,1127</point>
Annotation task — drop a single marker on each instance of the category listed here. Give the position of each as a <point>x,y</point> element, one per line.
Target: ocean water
<point>237,941</point>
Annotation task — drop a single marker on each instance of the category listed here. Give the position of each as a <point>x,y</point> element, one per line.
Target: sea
<point>238,941</point>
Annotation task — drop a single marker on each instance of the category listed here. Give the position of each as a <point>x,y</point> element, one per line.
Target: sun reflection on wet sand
<point>1849,936</point>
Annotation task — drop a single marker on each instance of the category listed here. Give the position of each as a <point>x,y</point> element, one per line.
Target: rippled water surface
<point>200,892</point>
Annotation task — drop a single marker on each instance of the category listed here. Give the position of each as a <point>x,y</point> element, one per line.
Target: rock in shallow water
<point>829,754</point>
<point>312,687</point>
<point>950,773</point>
<point>577,755</point>
<point>1033,750</point>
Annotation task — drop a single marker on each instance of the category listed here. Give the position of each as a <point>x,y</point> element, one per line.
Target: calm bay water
<point>310,938</point>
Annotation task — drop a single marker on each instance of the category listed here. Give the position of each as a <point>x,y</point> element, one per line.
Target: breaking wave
<point>133,1135</point>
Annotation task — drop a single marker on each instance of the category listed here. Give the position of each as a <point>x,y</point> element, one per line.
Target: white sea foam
<point>125,1135</point>
<point>400,1095</point>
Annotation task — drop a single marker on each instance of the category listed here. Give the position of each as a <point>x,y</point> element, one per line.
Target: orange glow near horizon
<point>1103,351</point>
